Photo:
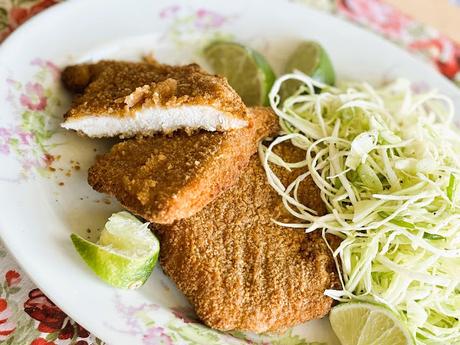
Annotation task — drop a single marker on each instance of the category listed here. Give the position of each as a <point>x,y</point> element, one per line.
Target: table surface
<point>444,15</point>
<point>27,316</point>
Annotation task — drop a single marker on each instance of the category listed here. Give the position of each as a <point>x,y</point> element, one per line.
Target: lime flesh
<point>311,59</point>
<point>368,324</point>
<point>247,71</point>
<point>126,253</point>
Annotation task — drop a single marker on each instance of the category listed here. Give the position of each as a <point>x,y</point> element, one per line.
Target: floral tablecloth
<point>27,316</point>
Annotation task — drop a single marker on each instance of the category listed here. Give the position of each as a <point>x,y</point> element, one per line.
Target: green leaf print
<point>237,334</point>
<point>25,333</point>
<point>288,338</point>
<point>22,2</point>
<point>37,102</point>
<point>99,341</point>
<point>35,122</point>
<point>14,290</point>
<point>3,18</point>
<point>196,334</point>
<point>52,336</point>
<point>292,339</point>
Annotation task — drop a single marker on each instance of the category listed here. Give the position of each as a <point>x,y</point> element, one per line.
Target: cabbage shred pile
<point>387,163</point>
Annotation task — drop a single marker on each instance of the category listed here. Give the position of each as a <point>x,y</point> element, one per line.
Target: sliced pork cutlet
<point>163,179</point>
<point>116,98</point>
<point>240,270</point>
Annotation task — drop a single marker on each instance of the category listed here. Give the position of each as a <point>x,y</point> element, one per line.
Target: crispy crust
<point>119,89</point>
<point>163,179</point>
<point>241,271</point>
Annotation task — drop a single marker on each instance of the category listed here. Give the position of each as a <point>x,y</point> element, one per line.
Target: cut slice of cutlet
<point>241,271</point>
<point>163,178</point>
<point>117,98</point>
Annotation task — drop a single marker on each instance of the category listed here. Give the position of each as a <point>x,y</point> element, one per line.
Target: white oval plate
<point>40,207</point>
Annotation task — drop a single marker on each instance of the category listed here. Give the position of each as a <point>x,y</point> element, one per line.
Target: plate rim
<point>66,6</point>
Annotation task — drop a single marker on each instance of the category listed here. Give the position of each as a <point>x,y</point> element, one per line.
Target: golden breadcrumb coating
<point>119,89</point>
<point>163,178</point>
<point>241,271</point>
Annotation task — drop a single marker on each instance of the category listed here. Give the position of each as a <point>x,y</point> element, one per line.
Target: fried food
<point>163,178</point>
<point>241,271</point>
<point>125,99</point>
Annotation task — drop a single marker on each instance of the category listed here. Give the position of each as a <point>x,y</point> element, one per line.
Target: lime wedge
<point>246,70</point>
<point>368,324</point>
<point>311,59</point>
<point>125,254</point>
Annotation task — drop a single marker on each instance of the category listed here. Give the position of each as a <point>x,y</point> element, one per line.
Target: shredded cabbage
<point>387,163</point>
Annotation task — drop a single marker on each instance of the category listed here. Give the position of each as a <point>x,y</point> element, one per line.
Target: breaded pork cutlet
<point>116,98</point>
<point>240,270</point>
<point>163,178</point>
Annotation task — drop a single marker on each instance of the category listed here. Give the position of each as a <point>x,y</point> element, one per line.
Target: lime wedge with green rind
<point>368,324</point>
<point>246,70</point>
<point>311,59</point>
<point>125,254</point>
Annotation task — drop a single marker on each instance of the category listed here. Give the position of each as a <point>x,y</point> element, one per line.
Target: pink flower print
<point>156,336</point>
<point>6,327</point>
<point>29,163</point>
<point>433,47</point>
<point>50,66</point>
<point>206,19</point>
<point>420,86</point>
<point>34,97</point>
<point>169,11</point>
<point>5,135</point>
<point>380,16</point>
<point>13,83</point>
<point>12,86</point>
<point>445,54</point>
<point>25,137</point>
<point>12,278</point>
<point>42,341</point>
<point>4,149</point>
<point>17,16</point>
